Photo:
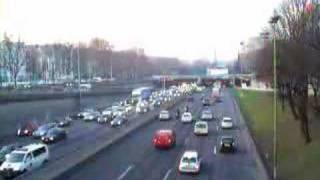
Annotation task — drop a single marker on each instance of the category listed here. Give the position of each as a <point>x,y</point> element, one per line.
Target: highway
<point>135,158</point>
<point>43,111</point>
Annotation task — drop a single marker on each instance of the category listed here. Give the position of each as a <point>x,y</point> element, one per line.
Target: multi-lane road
<point>135,158</point>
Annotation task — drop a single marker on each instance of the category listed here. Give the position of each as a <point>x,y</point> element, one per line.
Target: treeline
<point>297,36</point>
<point>59,61</point>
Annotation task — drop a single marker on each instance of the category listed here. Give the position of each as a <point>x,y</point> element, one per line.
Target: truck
<point>142,93</point>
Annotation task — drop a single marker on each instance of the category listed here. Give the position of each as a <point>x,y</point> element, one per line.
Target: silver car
<point>42,130</point>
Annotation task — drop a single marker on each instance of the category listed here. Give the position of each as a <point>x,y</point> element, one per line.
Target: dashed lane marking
<point>167,174</point>
<point>125,172</point>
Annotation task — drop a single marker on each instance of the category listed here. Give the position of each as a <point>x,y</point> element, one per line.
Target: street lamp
<point>79,76</point>
<point>273,21</point>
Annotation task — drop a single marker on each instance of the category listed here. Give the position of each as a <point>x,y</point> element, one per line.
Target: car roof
<point>190,153</point>
<point>166,111</point>
<point>227,118</point>
<point>185,113</point>
<point>28,148</point>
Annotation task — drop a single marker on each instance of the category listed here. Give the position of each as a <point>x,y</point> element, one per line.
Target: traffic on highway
<point>64,135</point>
<point>159,90</point>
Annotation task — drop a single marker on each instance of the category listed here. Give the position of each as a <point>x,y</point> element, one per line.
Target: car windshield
<point>189,160</point>
<point>201,125</point>
<point>15,157</point>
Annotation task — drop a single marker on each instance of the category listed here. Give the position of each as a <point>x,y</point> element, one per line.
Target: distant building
<point>217,71</point>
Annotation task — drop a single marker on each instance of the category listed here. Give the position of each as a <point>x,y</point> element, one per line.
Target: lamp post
<point>273,21</point>
<point>79,76</point>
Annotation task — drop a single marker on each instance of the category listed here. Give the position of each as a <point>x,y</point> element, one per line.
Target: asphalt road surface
<point>12,114</point>
<point>135,158</point>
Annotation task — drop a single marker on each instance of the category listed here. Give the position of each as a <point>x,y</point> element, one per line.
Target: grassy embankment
<point>296,160</point>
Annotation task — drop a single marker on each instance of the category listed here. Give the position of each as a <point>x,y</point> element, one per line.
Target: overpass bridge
<point>205,80</point>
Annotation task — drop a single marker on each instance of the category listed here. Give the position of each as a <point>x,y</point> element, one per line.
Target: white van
<point>24,159</point>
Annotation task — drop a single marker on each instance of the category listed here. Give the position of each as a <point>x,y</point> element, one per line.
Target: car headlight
<point>51,138</point>
<point>119,123</point>
<point>26,131</point>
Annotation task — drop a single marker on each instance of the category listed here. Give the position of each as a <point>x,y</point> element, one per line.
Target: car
<point>226,123</point>
<point>157,102</point>
<point>7,149</point>
<point>142,107</point>
<point>118,121</point>
<point>24,159</point>
<point>206,115</point>
<point>43,129</point>
<point>165,138</point>
<point>87,112</point>
<point>120,111</point>
<point>104,119</point>
<point>190,162</point>
<point>108,112</point>
<point>164,115</point>
<point>128,108</point>
<point>26,128</point>
<point>201,128</point>
<point>65,122</point>
<point>91,116</point>
<point>205,102</point>
<point>54,135</point>
<point>186,117</point>
<point>227,144</point>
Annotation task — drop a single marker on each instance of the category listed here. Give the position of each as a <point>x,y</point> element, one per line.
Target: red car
<point>26,128</point>
<point>164,139</point>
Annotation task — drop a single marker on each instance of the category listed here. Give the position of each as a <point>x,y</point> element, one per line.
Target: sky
<point>186,29</point>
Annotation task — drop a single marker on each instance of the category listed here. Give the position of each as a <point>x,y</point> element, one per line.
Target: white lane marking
<point>215,150</point>
<point>217,127</point>
<point>125,172</point>
<point>167,174</point>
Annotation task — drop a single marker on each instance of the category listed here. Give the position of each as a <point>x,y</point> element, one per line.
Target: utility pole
<point>79,76</point>
<point>273,21</point>
<point>111,77</point>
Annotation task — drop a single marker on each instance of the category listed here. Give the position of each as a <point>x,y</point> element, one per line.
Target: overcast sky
<point>188,29</point>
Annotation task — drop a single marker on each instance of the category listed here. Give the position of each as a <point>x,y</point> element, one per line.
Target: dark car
<point>4,150</point>
<point>26,128</point>
<point>43,129</point>
<point>65,122</point>
<point>227,144</point>
<point>205,102</point>
<point>118,121</point>
<point>54,135</point>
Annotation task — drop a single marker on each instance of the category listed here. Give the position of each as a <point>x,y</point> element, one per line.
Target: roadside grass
<point>296,160</point>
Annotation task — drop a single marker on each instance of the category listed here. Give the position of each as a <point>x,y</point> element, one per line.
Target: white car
<point>186,117</point>
<point>91,116</point>
<point>190,162</point>
<point>164,115</point>
<point>142,107</point>
<point>24,159</point>
<point>206,115</point>
<point>107,112</point>
<point>201,128</point>
<point>226,123</point>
